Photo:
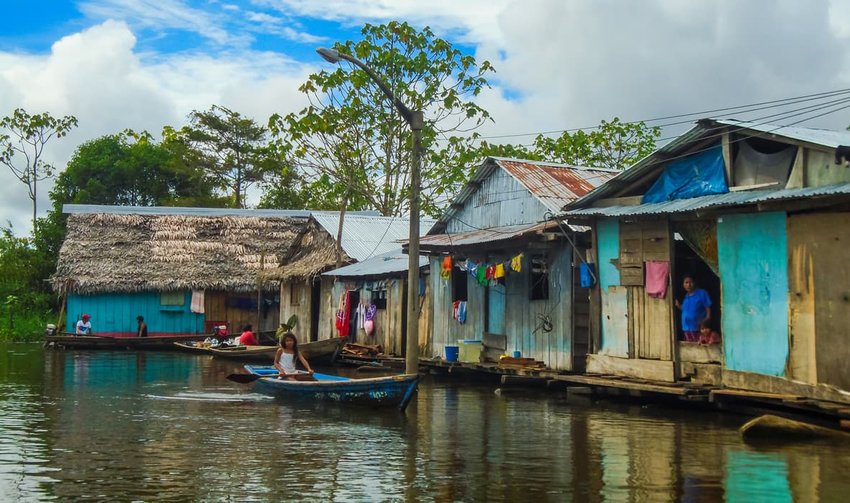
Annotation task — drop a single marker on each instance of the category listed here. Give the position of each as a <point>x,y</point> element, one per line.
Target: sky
<point>560,64</point>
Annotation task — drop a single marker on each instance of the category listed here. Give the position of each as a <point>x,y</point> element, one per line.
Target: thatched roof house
<point>134,249</point>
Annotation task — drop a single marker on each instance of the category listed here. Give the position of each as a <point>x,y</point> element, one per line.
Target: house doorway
<point>315,300</point>
<point>353,303</point>
<point>688,262</point>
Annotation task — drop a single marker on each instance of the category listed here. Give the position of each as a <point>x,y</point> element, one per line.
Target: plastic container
<point>517,354</point>
<point>452,353</point>
<point>470,350</point>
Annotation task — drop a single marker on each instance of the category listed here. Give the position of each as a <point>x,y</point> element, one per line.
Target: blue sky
<point>560,64</point>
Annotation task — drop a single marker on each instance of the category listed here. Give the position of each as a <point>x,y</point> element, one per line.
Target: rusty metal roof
<point>553,184</point>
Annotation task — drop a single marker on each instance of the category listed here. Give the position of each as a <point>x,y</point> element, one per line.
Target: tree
<point>130,169</point>
<point>231,149</point>
<point>28,136</point>
<point>351,135</point>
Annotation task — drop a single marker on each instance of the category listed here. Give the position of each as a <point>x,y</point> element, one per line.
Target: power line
<point>752,107</point>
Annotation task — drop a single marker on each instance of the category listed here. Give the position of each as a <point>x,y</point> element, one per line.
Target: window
<point>459,284</point>
<point>539,277</point>
<point>379,297</point>
<point>171,301</point>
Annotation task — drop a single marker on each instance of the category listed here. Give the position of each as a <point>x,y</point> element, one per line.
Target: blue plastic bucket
<point>452,353</point>
<point>517,354</point>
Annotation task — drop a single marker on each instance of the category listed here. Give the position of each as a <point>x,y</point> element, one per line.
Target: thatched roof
<point>125,252</point>
<point>313,253</point>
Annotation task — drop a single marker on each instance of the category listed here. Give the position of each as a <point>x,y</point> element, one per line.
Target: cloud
<point>96,76</point>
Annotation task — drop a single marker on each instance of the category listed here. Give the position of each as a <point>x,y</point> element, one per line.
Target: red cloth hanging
<point>343,314</point>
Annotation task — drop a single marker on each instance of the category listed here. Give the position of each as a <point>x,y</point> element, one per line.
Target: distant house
<point>759,216</point>
<point>501,269</point>
<point>380,283</point>
<point>316,299</point>
<point>183,269</point>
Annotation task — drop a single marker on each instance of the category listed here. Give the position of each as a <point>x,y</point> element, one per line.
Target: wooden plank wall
<point>819,299</point>
<point>650,322</point>
<point>216,309</point>
<point>295,299</point>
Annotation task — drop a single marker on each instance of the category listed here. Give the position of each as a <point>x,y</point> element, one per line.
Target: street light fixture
<point>415,120</point>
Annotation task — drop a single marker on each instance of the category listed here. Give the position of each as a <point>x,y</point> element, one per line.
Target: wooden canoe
<point>245,353</point>
<point>769,426</point>
<point>191,347</point>
<point>112,342</point>
<point>389,391</point>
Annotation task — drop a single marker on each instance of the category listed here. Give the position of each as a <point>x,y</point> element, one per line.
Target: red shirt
<point>247,339</point>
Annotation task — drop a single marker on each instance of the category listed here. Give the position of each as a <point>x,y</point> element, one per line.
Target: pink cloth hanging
<point>657,278</point>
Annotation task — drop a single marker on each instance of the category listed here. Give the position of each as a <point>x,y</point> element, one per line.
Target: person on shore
<point>708,336</point>
<point>695,307</point>
<point>247,338</point>
<point>287,356</point>
<point>143,327</point>
<point>84,325</point>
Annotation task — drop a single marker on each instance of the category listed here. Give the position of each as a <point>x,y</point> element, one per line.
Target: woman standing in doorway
<point>695,307</point>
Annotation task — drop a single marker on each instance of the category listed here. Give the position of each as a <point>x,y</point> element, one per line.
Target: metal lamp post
<point>414,119</point>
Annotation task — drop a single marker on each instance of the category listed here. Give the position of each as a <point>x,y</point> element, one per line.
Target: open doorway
<point>315,306</point>
<point>353,304</point>
<point>688,262</point>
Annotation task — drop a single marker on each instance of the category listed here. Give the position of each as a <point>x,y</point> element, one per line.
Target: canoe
<point>111,342</point>
<point>192,347</point>
<point>389,391</point>
<point>777,428</point>
<point>325,350</point>
<point>245,353</point>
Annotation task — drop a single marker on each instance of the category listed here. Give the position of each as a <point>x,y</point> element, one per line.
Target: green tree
<point>129,169</point>
<point>351,135</point>
<point>232,150</point>
<point>27,137</point>
<point>613,144</point>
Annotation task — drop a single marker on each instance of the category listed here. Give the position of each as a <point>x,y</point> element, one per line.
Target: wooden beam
<point>653,370</point>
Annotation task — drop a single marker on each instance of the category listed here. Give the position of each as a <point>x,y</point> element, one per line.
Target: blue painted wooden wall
<point>753,260</point>
<point>615,335</point>
<point>115,313</point>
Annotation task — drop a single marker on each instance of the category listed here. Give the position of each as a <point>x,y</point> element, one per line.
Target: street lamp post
<point>414,119</point>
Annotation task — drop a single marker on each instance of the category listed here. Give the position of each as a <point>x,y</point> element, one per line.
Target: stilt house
<point>184,270</point>
<point>501,273</point>
<point>759,216</point>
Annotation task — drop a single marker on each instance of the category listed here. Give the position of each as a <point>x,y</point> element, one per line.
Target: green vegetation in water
<point>24,318</point>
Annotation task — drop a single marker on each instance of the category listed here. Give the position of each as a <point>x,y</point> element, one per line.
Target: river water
<point>161,426</point>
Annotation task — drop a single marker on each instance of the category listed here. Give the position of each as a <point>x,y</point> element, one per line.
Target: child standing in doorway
<point>696,308</point>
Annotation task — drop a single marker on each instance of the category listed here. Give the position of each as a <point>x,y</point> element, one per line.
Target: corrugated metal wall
<point>115,313</point>
<point>753,259</point>
<point>500,201</point>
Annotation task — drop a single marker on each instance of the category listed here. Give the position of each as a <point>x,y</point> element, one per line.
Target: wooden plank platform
<point>630,384</point>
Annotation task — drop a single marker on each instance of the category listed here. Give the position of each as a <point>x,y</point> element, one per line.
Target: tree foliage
<point>351,136</point>
<point>22,149</point>
<point>130,169</point>
<point>232,150</point>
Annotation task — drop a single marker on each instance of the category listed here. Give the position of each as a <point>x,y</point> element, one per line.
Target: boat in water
<point>389,391</point>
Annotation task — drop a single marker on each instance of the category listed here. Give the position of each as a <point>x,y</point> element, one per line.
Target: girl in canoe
<point>287,355</point>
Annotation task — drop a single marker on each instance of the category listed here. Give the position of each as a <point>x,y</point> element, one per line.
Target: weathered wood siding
<point>220,306</point>
<point>500,201</point>
<point>115,313</point>
<point>818,298</point>
<point>650,325</point>
<point>753,260</point>
<point>614,298</point>
<point>295,300</point>
<point>816,168</point>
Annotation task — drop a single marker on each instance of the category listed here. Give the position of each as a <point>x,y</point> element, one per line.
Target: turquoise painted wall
<point>753,259</point>
<point>614,342</point>
<point>115,313</point>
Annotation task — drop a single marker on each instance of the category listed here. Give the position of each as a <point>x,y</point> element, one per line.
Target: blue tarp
<point>696,175</point>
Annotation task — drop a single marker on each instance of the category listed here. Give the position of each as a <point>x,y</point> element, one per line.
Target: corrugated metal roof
<point>437,242</point>
<point>713,201</point>
<point>389,263</point>
<point>703,130</point>
<point>365,236</point>
<point>822,137</point>
<point>553,184</point>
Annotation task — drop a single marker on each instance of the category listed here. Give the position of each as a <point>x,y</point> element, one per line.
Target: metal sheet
<point>386,264</point>
<point>364,236</point>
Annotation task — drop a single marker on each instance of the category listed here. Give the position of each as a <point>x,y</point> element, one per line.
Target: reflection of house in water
<point>759,215</point>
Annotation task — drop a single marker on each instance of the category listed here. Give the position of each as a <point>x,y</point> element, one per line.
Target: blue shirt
<point>694,309</point>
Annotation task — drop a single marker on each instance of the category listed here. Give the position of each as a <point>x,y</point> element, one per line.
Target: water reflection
<point>145,426</point>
